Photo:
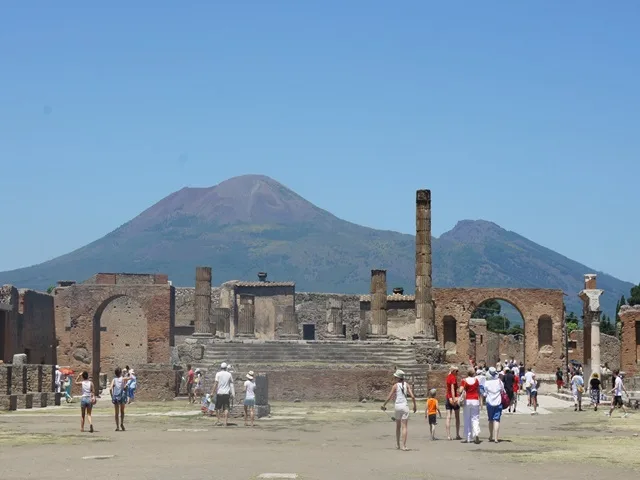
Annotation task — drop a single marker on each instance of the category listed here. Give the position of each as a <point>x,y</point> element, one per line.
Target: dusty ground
<point>316,441</point>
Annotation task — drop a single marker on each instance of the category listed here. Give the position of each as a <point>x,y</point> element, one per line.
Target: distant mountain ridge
<point>253,223</point>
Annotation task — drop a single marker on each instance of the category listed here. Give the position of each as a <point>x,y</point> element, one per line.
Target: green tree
<point>50,289</point>
<point>634,299</point>
<point>572,322</point>
<point>498,324</point>
<point>620,303</point>
<point>607,326</point>
<point>486,309</point>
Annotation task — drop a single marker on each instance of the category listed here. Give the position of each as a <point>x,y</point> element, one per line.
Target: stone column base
<point>205,335</point>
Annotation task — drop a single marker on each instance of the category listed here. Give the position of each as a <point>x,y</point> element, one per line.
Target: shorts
<point>494,413</point>
<point>559,383</point>
<point>402,413</point>
<point>534,394</point>
<point>449,406</point>
<point>189,388</point>
<point>223,402</point>
<point>250,402</point>
<point>433,419</point>
<point>119,400</point>
<point>85,402</point>
<point>617,401</point>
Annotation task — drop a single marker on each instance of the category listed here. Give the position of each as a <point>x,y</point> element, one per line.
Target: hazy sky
<point>522,113</point>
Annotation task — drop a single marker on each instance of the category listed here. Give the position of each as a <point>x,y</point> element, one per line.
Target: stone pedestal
<point>202,304</point>
<point>246,317</point>
<point>334,319</point>
<point>221,317</point>
<point>289,328</point>
<point>378,304</point>
<point>425,310</point>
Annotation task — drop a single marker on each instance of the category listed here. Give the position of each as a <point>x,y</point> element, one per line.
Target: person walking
<point>559,380</point>
<point>58,379</point>
<point>533,394</point>
<point>117,390</point>
<point>88,399</point>
<point>577,388</point>
<point>471,389</point>
<point>249,398</point>
<point>595,385</point>
<point>401,391</point>
<point>190,381</point>
<point>132,385</point>
<point>430,413</point>
<point>528,380</point>
<point>493,389</point>
<point>452,405</point>
<point>618,390</point>
<point>508,381</point>
<point>223,390</point>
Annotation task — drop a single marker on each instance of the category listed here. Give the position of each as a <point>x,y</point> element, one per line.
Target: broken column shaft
<point>378,303</point>
<point>425,315</point>
<point>202,303</point>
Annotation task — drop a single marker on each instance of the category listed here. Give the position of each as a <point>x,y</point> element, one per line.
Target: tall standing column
<point>425,315</point>
<point>246,316</point>
<point>202,304</point>
<point>590,297</point>
<point>378,303</point>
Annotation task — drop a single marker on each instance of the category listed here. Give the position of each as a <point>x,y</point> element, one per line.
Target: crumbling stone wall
<point>630,334</point>
<point>38,338</point>
<point>311,308</point>
<point>9,322</point>
<point>609,349</point>
<point>79,310</point>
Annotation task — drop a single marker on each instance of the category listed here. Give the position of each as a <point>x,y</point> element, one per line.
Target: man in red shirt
<point>190,380</point>
<point>451,403</point>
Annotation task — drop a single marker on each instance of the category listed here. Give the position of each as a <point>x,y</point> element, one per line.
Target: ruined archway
<point>499,332</point>
<point>122,333</point>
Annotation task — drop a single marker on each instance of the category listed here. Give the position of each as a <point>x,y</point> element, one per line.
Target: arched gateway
<point>542,311</point>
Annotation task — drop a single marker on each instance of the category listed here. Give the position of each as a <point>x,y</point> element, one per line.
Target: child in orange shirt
<point>430,412</point>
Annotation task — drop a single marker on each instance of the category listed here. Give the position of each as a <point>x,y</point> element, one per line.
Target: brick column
<point>378,303</point>
<point>425,315</point>
<point>202,304</point>
<point>246,316</point>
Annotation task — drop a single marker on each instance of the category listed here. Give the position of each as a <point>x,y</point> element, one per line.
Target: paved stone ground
<point>314,440</point>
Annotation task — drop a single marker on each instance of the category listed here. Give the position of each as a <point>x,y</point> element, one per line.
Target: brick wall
<point>630,348</point>
<point>609,349</point>
<point>311,308</point>
<point>38,327</point>
<point>157,382</point>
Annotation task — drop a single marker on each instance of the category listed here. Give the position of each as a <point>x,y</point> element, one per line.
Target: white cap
<point>223,366</point>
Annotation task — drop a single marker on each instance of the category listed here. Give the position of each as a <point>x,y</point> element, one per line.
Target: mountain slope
<point>252,223</point>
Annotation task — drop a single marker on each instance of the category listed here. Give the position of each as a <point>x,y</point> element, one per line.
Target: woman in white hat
<point>401,390</point>
<point>493,388</point>
<point>249,398</point>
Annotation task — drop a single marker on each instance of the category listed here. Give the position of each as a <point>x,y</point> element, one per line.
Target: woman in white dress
<point>401,391</point>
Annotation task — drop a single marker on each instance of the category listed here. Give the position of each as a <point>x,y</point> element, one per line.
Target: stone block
<point>40,399</point>
<point>18,380</point>
<point>48,378</point>
<point>262,389</point>
<point>24,401</point>
<point>263,411</point>
<point>34,378</point>
<point>57,399</point>
<point>8,402</point>
<point>5,380</point>
<point>19,359</point>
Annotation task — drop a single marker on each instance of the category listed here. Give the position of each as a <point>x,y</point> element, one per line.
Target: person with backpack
<point>401,391</point>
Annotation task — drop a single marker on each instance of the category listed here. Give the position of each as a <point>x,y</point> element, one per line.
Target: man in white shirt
<point>223,390</point>
<point>58,379</point>
<point>617,391</point>
<point>528,381</point>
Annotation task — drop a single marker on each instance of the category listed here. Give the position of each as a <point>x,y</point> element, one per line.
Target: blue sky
<point>522,113</point>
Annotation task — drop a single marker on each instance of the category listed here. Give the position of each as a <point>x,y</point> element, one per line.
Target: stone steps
<point>242,355</point>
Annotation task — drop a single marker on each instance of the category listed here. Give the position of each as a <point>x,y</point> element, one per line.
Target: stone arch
<point>123,333</point>
<point>545,332</point>
<point>450,333</point>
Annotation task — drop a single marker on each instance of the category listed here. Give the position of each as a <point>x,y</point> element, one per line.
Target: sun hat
<point>250,375</point>
<point>453,368</point>
<point>399,374</point>
<point>223,366</point>
<point>479,371</point>
<point>197,370</point>
<point>492,371</point>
